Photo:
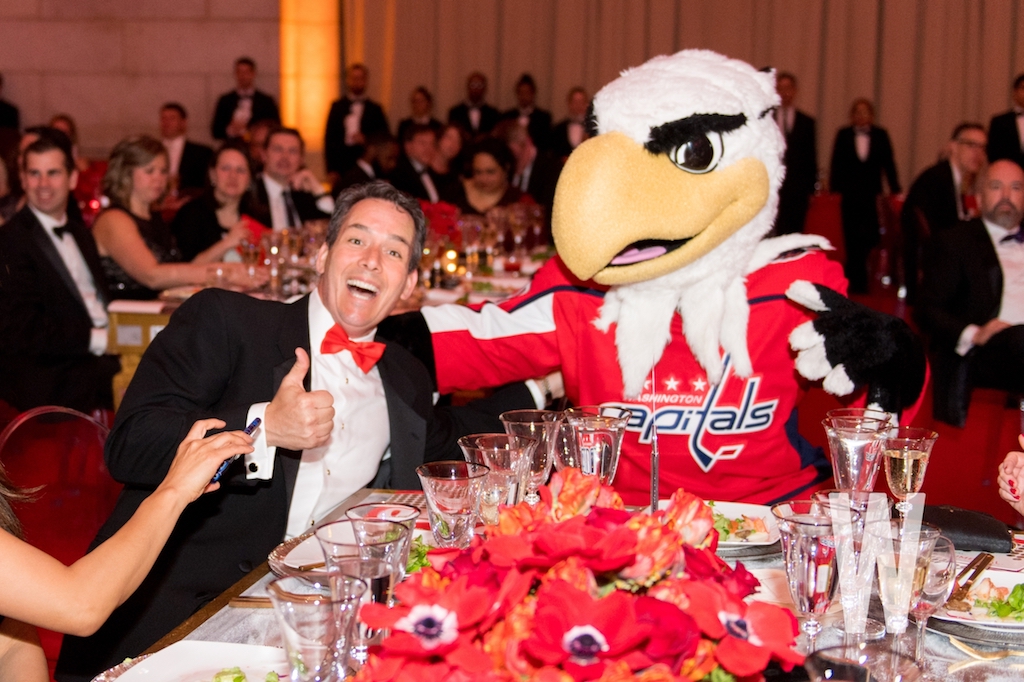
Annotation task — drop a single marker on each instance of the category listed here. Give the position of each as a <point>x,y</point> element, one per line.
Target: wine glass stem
<point>918,647</point>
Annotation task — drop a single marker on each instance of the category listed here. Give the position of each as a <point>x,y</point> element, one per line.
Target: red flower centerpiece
<point>577,588</point>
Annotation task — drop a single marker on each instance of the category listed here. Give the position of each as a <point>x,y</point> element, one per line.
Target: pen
<point>224,467</point>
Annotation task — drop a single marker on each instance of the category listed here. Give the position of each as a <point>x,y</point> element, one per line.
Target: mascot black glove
<point>849,346</point>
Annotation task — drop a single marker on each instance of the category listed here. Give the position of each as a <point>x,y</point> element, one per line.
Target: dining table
<point>242,615</point>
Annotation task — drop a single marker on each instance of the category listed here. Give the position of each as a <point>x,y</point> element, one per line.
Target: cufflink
<point>253,467</point>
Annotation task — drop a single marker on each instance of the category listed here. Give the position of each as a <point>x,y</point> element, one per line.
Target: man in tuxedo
<point>475,115</point>
<point>286,194</point>
<point>413,174</point>
<point>801,159</point>
<point>378,162</point>
<point>537,121</point>
<point>351,119</point>
<point>1005,136</point>
<point>972,297</point>
<point>243,106</point>
<point>188,163</point>
<point>940,197</point>
<point>339,409</point>
<point>571,132</point>
<point>53,320</point>
<point>536,172</point>
<point>861,156</point>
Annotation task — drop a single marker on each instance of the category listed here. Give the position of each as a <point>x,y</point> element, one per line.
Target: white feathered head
<point>687,159</point>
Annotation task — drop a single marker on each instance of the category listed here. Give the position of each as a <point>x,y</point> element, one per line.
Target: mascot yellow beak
<point>625,215</point>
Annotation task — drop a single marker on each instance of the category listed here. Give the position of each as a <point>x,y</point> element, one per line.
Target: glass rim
<point>274,588</point>
<point>356,543</point>
<point>923,529</point>
<point>514,441</point>
<point>366,505</point>
<point>817,517</point>
<point>920,433</point>
<point>473,471</point>
<point>845,412</point>
<point>542,416</point>
<point>582,411</point>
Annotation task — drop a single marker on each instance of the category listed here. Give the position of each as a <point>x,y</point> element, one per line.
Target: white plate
<point>192,661</point>
<point>736,510</point>
<point>1006,579</point>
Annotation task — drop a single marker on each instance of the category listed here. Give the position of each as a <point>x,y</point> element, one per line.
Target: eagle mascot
<point>668,298</point>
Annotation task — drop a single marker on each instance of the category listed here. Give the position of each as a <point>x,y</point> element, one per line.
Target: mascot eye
<point>700,154</point>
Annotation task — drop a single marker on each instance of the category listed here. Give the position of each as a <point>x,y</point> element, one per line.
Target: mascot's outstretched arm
<point>850,345</point>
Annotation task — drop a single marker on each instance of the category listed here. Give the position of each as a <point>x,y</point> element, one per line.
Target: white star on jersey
<point>671,384</point>
<point>699,384</point>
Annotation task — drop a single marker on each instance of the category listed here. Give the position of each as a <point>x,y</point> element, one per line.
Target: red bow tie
<point>365,353</point>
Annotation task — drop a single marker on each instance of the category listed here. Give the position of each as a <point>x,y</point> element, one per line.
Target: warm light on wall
<point>310,66</point>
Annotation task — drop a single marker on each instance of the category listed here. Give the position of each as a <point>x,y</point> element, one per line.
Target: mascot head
<point>687,160</point>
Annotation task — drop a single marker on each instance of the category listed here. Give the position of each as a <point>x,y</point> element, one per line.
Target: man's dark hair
<point>785,74</point>
<point>176,107</point>
<point>422,89</point>
<point>497,150</point>
<point>378,189</point>
<point>1018,81</point>
<point>966,125</point>
<point>49,140</point>
<point>247,61</point>
<point>281,130</point>
<point>527,79</point>
<point>417,129</point>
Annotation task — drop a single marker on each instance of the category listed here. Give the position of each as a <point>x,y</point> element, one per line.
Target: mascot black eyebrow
<point>668,298</point>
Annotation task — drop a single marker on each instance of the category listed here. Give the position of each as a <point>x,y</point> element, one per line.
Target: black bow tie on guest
<point>1017,236</point>
<point>60,230</point>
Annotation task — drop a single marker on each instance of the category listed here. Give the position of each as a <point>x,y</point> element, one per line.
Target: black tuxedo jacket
<point>264,108</point>
<point>1004,139</point>
<point>44,326</point>
<point>220,353</point>
<point>338,155</point>
<point>544,179</point>
<point>10,117</point>
<point>353,176</point>
<point>561,147</point>
<point>459,115</point>
<point>406,178</point>
<point>851,176</point>
<point>963,284</point>
<point>194,167</point>
<point>258,203</point>
<point>933,198</point>
<point>539,126</point>
<point>801,161</point>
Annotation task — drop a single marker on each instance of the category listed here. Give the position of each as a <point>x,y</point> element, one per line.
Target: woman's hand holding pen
<point>199,457</point>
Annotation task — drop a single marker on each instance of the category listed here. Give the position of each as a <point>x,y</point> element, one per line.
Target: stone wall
<point>112,63</point>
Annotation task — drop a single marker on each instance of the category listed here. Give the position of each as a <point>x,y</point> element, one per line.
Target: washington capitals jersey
<point>736,441</point>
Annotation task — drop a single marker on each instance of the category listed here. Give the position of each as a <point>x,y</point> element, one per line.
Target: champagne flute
<point>906,457</point>
<point>940,575</point>
<point>855,440</point>
<point>911,551</point>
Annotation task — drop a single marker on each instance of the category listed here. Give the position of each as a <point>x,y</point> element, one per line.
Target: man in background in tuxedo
<point>413,174</point>
<point>528,114</point>
<point>972,297</point>
<point>188,163</point>
<point>861,157</point>
<point>1006,130</point>
<point>243,106</point>
<point>351,120</point>
<point>475,115</point>
<point>286,194</point>
<point>536,172</point>
<point>53,319</point>
<point>801,158</point>
<point>571,132</point>
<point>940,197</point>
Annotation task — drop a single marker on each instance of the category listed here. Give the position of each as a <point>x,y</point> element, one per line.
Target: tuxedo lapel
<point>45,245</point>
<point>408,427</point>
<point>87,247</point>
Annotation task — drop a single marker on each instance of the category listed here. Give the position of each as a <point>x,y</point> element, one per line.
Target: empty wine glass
<point>809,553</point>
<point>855,440</point>
<point>597,432</point>
<point>508,460</point>
<point>902,565</point>
<point>907,450</point>
<point>541,425</point>
<point>939,578</point>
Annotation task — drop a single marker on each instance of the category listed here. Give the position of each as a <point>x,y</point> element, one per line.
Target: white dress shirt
<point>74,261</point>
<point>175,148</point>
<point>862,142</point>
<point>1020,126</point>
<point>358,443</point>
<point>279,207</point>
<point>1011,262</point>
<point>353,121</point>
<point>428,182</point>
<point>576,131</point>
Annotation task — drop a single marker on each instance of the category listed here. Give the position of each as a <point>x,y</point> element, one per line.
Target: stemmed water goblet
<point>907,450</point>
<point>809,553</point>
<point>541,425</point>
<point>508,458</point>
<point>939,578</point>
<point>453,491</point>
<point>902,565</point>
<point>596,440</point>
<point>855,440</point>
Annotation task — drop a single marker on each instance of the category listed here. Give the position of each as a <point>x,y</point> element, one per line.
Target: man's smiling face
<point>366,271</point>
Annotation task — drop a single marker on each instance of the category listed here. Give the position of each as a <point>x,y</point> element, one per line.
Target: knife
<point>957,600</point>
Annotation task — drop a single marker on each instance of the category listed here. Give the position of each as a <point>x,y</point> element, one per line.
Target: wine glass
<point>939,578</point>
<point>597,432</point>
<point>902,567</point>
<point>809,553</point>
<point>855,440</point>
<point>541,425</point>
<point>906,457</point>
<point>508,460</point>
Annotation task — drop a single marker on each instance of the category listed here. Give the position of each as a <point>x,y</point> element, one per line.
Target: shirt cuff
<point>326,203</point>
<point>539,397</point>
<point>98,340</point>
<point>259,464</point>
<point>966,341</point>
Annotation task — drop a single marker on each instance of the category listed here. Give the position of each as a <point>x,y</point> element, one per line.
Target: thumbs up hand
<point>298,419</point>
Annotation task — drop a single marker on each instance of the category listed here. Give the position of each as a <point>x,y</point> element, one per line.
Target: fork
<point>983,655</point>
